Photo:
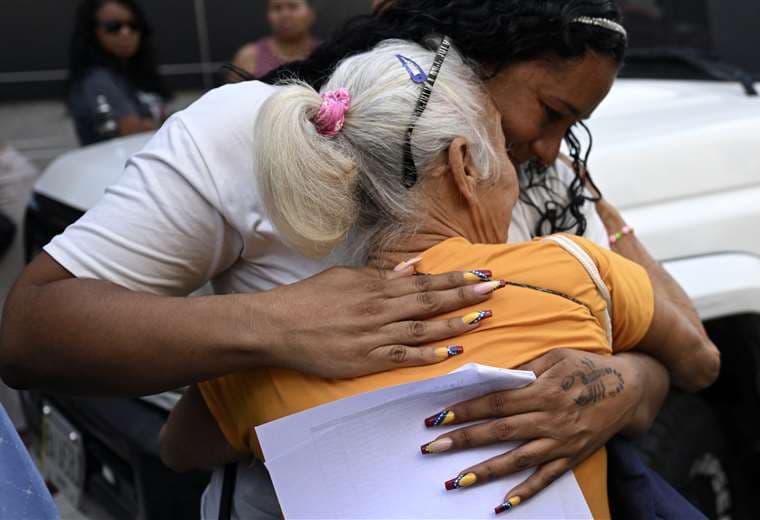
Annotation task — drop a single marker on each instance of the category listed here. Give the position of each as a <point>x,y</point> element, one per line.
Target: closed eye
<point>552,116</point>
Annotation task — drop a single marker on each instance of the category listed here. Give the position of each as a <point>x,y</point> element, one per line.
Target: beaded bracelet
<point>627,230</point>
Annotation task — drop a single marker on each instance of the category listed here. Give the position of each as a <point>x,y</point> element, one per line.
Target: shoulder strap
<point>590,266</point>
<point>228,491</point>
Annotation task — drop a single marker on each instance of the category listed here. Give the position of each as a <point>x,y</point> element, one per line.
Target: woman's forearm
<point>93,337</point>
<point>135,125</point>
<point>682,344</point>
<point>654,383</point>
<point>631,248</point>
<point>191,438</point>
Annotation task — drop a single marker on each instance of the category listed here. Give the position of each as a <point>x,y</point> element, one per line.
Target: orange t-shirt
<point>526,324</point>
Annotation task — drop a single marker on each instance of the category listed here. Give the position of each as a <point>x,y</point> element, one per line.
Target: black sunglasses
<point>115,26</point>
<point>410,169</point>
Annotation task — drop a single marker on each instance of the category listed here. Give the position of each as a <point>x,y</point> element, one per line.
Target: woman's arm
<point>246,59</point>
<point>191,438</point>
<point>133,124</point>
<point>560,424</point>
<point>93,337</point>
<point>676,337</point>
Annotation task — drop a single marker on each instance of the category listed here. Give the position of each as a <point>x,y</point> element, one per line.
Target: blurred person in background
<point>17,177</point>
<point>291,22</point>
<point>114,87</point>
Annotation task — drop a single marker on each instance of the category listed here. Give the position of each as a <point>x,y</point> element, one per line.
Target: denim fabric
<point>636,492</point>
<point>23,495</point>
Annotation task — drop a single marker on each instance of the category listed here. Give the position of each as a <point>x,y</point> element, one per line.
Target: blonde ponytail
<point>306,180</point>
<point>317,189</point>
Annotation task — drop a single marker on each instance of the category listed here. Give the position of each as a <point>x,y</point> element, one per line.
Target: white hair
<point>317,189</point>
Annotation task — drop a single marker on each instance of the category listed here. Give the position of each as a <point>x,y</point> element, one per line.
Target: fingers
<point>428,304</point>
<point>422,332</point>
<point>404,269</point>
<point>517,428</point>
<point>508,403</point>
<point>544,476</point>
<point>525,457</point>
<point>399,356</point>
<point>546,362</point>
<point>401,284</point>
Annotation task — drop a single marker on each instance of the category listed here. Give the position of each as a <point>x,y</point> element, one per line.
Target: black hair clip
<point>410,170</point>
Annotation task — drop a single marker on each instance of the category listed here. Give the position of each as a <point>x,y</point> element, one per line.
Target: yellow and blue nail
<point>449,352</point>
<point>462,481</point>
<point>508,505</point>
<point>478,275</point>
<point>440,419</point>
<point>476,317</point>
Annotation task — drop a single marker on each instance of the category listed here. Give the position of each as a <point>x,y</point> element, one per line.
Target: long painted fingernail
<point>440,419</point>
<point>489,287</point>
<point>462,481</point>
<point>478,275</point>
<point>476,317</point>
<point>508,505</point>
<point>408,263</point>
<point>438,446</point>
<point>449,352</point>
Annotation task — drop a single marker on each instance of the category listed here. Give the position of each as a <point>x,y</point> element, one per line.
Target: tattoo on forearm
<point>598,384</point>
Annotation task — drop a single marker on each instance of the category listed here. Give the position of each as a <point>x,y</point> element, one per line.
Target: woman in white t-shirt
<point>102,310</point>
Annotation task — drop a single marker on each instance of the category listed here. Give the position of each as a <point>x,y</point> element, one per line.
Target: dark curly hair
<point>490,34</point>
<point>86,52</point>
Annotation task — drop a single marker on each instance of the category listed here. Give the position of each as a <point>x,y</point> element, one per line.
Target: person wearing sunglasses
<point>102,309</point>
<point>114,87</point>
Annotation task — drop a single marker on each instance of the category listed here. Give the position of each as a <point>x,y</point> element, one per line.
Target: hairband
<point>332,113</point>
<point>428,82</point>
<point>603,23</point>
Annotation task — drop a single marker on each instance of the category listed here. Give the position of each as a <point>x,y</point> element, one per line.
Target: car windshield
<point>715,30</point>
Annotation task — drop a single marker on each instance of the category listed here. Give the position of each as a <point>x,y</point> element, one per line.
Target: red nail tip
<point>451,484</point>
<point>486,315</point>
<point>436,420</point>
<point>424,449</point>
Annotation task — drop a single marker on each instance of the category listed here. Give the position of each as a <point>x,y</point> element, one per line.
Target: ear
<point>462,170</point>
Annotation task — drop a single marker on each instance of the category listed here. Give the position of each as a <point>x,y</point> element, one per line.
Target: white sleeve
<point>160,228</point>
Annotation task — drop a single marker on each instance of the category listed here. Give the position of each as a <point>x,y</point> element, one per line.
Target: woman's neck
<point>439,219</point>
<point>406,247</point>
<point>443,213</point>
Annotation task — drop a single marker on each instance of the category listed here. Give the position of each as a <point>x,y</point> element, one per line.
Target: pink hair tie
<point>332,113</point>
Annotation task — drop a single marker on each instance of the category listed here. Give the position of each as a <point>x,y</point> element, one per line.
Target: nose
<point>547,148</point>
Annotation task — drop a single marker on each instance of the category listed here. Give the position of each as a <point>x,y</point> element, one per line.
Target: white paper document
<point>360,457</point>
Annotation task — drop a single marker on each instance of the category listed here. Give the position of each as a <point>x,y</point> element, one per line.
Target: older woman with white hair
<point>393,162</point>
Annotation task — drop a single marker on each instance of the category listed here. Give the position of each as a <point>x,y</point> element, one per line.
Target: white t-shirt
<point>186,212</point>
